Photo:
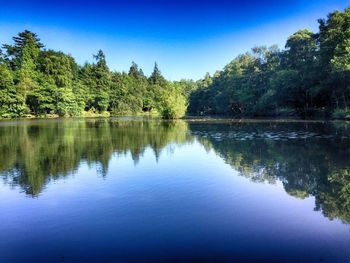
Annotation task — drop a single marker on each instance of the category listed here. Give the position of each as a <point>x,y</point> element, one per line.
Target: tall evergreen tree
<point>102,81</point>
<point>135,72</point>
<point>156,76</point>
<point>14,53</point>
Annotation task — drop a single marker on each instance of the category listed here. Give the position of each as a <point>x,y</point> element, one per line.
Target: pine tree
<point>14,53</point>
<point>135,72</point>
<point>103,82</point>
<point>156,77</point>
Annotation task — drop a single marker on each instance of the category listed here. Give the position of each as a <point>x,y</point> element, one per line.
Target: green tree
<point>156,76</point>
<point>173,103</point>
<point>23,58</point>
<point>103,81</point>
<point>297,84</point>
<point>334,39</point>
<point>12,104</point>
<point>14,53</point>
<point>54,94</point>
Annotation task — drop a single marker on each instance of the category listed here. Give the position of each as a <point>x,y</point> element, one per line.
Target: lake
<point>131,190</point>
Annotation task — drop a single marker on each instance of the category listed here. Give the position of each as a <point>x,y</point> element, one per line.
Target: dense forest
<point>39,82</point>
<point>310,77</point>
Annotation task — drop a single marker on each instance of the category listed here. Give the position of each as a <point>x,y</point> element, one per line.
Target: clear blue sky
<point>186,38</point>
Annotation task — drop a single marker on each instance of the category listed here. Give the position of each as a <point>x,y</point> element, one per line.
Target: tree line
<point>39,82</point>
<point>310,77</point>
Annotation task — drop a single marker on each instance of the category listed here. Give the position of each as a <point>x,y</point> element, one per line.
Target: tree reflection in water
<point>309,158</point>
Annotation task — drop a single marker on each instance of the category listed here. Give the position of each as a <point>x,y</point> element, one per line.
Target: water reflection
<point>310,159</point>
<point>33,153</point>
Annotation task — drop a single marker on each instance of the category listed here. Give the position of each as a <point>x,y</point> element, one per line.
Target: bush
<point>173,104</point>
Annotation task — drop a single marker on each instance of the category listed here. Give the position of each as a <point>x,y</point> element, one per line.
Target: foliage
<point>311,75</point>
<point>173,103</point>
<point>12,103</point>
<point>47,82</point>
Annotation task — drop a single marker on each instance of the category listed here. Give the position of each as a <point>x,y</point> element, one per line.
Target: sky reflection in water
<point>130,190</point>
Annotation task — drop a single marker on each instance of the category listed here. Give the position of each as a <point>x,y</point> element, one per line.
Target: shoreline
<point>190,118</point>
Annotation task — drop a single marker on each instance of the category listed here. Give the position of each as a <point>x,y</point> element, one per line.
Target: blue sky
<point>186,38</point>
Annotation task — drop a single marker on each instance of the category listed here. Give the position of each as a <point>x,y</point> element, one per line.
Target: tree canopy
<point>309,77</point>
<point>40,82</point>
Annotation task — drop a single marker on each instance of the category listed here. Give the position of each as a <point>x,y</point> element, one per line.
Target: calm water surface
<point>131,190</point>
